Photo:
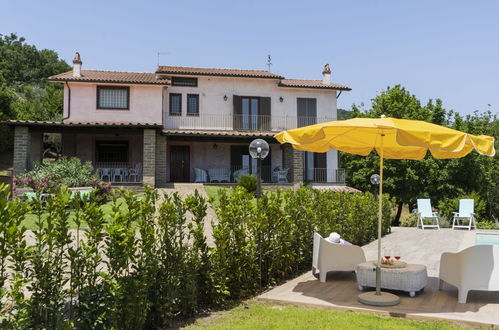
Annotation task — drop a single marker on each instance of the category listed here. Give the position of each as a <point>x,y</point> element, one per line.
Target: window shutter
<point>312,111</point>
<point>237,112</point>
<point>264,114</point>
<point>267,167</point>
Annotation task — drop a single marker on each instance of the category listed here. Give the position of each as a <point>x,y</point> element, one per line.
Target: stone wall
<point>21,147</point>
<point>149,162</point>
<point>294,160</point>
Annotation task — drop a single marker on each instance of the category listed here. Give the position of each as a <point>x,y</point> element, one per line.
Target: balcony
<point>325,175</point>
<point>221,122</point>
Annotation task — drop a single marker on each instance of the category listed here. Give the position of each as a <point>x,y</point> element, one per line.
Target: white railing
<point>240,122</point>
<point>326,175</point>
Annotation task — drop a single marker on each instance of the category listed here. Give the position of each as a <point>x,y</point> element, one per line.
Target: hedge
<point>148,264</point>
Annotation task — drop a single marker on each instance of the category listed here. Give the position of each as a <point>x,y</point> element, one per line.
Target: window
<point>185,82</point>
<point>251,113</point>
<point>193,104</point>
<point>307,111</point>
<point>175,104</point>
<point>111,151</point>
<point>113,97</point>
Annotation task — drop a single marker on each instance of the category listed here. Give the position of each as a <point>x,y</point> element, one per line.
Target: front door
<point>179,164</point>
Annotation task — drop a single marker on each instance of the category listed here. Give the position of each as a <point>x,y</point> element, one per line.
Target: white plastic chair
<point>119,173</point>
<point>105,173</point>
<point>135,173</point>
<point>425,212</point>
<point>334,257</point>
<point>466,209</point>
<point>201,175</point>
<point>474,268</point>
<point>280,175</point>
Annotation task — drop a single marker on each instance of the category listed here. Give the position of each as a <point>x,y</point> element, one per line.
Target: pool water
<point>483,238</point>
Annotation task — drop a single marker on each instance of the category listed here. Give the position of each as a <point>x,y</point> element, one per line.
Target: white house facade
<point>183,124</point>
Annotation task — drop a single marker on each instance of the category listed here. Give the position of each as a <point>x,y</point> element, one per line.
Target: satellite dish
<point>259,149</point>
<point>375,179</point>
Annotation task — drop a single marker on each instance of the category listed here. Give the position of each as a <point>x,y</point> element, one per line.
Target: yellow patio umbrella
<point>394,139</point>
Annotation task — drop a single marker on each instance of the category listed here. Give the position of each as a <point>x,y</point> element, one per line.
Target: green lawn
<point>257,315</point>
<point>30,220</point>
<point>212,192</point>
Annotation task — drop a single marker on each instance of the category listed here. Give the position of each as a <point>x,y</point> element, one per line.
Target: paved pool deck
<point>416,246</point>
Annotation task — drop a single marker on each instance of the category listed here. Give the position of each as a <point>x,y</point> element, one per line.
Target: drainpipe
<point>69,101</point>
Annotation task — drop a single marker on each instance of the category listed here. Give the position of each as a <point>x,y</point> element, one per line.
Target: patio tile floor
<point>417,246</point>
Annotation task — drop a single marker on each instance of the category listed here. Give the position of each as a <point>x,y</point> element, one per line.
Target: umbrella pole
<point>378,298</point>
<point>380,214</point>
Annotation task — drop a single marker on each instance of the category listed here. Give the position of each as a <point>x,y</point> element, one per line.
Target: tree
<point>438,179</point>
<point>24,91</point>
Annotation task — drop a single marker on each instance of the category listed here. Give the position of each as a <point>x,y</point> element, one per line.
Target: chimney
<point>326,75</point>
<point>77,65</point>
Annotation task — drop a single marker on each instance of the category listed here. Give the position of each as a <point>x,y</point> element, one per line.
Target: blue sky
<point>436,49</point>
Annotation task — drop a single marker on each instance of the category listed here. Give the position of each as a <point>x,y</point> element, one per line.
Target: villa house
<point>182,124</point>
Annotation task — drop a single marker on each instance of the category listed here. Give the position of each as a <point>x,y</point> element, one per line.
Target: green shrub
<point>487,225</point>
<point>248,182</point>
<point>148,262</point>
<point>65,171</point>
<point>409,220</point>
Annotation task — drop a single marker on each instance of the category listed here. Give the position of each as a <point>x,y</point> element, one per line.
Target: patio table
<point>412,278</point>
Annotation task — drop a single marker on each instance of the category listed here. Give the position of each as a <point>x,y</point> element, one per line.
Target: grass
<point>258,315</point>
<point>212,192</point>
<point>30,219</point>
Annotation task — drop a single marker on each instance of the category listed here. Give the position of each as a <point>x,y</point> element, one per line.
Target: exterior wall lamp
<point>281,99</point>
<point>258,149</point>
<point>225,97</point>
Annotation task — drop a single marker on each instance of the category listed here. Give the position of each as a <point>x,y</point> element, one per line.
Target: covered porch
<point>120,153</point>
<point>222,157</point>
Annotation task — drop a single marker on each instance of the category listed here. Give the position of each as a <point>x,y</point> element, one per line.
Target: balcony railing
<point>325,175</point>
<point>240,122</point>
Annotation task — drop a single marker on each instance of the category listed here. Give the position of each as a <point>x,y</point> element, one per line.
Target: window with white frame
<point>113,97</point>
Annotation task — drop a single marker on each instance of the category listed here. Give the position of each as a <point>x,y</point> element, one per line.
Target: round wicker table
<point>411,278</point>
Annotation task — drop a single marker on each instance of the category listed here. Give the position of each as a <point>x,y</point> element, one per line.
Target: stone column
<point>161,160</point>
<point>294,160</point>
<point>149,155</point>
<point>21,147</point>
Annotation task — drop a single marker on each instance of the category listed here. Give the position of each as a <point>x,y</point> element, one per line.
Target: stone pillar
<point>149,161</point>
<point>294,160</point>
<point>161,160</point>
<point>21,147</point>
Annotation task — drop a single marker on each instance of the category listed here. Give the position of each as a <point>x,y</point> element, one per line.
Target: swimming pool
<point>486,238</point>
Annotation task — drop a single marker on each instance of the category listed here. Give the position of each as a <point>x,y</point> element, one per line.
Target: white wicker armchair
<point>474,268</point>
<point>329,256</point>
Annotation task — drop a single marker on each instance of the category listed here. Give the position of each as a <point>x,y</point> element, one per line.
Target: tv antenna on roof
<point>269,61</point>
<point>162,53</point>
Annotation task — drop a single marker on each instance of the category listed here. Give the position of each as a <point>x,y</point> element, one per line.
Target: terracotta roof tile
<point>301,83</point>
<point>79,124</point>
<point>217,72</point>
<point>112,77</point>
<point>180,132</point>
<point>335,188</point>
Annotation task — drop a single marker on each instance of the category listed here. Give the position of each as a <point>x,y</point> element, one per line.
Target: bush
<point>409,220</point>
<point>149,262</point>
<point>65,171</point>
<point>248,182</point>
<point>487,225</point>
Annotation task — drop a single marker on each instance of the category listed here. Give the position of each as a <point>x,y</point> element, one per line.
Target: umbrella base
<point>383,299</point>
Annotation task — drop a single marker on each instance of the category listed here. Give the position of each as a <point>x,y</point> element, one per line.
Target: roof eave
<point>345,88</point>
